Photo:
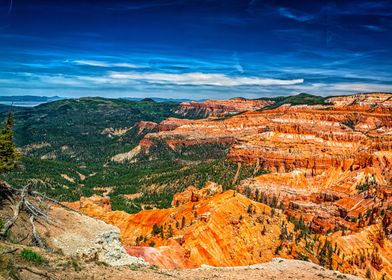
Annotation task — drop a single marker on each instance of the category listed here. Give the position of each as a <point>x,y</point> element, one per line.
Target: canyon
<point>219,108</point>
<point>326,196</point>
<point>298,183</point>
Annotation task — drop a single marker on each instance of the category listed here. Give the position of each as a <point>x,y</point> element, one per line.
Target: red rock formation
<point>379,102</point>
<point>222,107</point>
<point>101,204</point>
<point>222,229</point>
<point>330,168</point>
<point>292,136</point>
<point>193,194</point>
<point>143,126</point>
<point>330,165</point>
<point>172,123</point>
<point>367,250</point>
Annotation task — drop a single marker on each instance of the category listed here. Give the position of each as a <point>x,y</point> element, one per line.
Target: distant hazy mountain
<point>27,100</point>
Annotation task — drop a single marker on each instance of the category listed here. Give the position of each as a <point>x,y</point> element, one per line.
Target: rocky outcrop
<point>67,233</point>
<point>111,132</point>
<point>218,108</point>
<point>128,156</point>
<point>368,251</point>
<point>145,126</point>
<point>87,238</point>
<point>103,203</point>
<point>219,229</point>
<point>193,194</point>
<point>379,102</point>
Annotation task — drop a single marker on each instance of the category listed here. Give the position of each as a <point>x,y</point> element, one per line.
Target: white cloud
<point>374,27</point>
<point>239,68</point>
<point>339,88</point>
<point>91,63</point>
<point>362,87</point>
<point>294,15</point>
<point>201,79</point>
<point>126,65</point>
<point>98,63</point>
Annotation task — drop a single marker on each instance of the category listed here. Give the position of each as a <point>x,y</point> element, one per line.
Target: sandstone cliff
<point>211,228</point>
<point>218,108</point>
<point>330,167</point>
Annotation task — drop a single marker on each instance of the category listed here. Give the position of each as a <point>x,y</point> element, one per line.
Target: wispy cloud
<point>339,88</point>
<point>97,63</point>
<point>143,5</point>
<point>201,79</point>
<point>374,28</point>
<point>91,63</point>
<point>294,15</point>
<point>10,7</point>
<point>379,8</point>
<point>237,64</point>
<point>362,87</point>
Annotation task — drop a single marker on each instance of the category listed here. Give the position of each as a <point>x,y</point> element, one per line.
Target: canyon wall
<point>326,197</point>
<point>219,108</point>
<point>205,227</point>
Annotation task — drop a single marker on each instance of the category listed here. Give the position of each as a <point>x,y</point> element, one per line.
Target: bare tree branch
<point>17,209</point>
<point>37,238</point>
<point>55,201</point>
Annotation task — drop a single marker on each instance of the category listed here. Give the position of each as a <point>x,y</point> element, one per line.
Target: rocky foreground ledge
<point>280,269</point>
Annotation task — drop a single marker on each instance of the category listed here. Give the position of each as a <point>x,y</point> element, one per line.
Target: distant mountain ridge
<point>29,98</point>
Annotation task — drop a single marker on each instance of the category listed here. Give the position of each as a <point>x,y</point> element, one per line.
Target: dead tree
<point>21,201</point>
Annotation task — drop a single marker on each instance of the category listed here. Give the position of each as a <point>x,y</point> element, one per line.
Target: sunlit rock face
<point>193,194</point>
<point>378,102</point>
<point>218,108</point>
<point>349,134</point>
<point>218,229</point>
<point>301,133</point>
<point>331,167</point>
<point>328,165</point>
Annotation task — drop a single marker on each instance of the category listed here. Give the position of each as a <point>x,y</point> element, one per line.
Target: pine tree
<point>8,154</point>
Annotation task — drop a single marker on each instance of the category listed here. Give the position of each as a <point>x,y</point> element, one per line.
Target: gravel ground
<point>277,269</point>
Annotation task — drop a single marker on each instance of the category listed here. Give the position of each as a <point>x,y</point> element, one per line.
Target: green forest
<point>67,155</point>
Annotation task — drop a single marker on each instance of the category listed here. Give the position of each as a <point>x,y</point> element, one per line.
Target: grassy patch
<point>32,256</point>
<point>134,267</point>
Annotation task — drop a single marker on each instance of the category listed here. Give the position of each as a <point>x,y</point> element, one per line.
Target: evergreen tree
<point>8,154</point>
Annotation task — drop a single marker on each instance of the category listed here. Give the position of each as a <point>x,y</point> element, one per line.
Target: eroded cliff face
<point>218,108</point>
<point>205,227</point>
<point>379,102</point>
<point>328,182</point>
<point>330,167</point>
<point>289,137</point>
<point>217,228</point>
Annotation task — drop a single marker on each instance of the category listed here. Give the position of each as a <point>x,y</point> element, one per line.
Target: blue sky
<point>194,49</point>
